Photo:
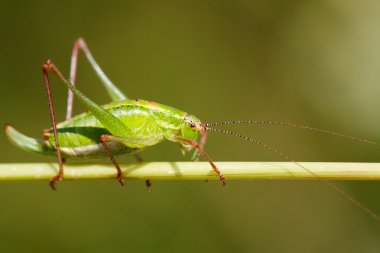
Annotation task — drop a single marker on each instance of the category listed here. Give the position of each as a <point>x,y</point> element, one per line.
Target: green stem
<point>196,171</point>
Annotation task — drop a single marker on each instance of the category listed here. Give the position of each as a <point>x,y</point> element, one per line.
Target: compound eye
<point>192,125</point>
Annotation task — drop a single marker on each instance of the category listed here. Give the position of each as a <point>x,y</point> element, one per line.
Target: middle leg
<point>120,176</point>
<point>148,183</point>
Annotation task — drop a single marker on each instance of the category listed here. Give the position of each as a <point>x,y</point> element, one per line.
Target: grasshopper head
<point>192,129</point>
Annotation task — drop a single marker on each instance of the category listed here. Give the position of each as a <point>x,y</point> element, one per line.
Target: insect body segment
<point>80,136</point>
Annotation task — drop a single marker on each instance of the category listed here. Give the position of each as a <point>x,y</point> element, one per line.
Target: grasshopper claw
<point>54,180</point>
<point>121,179</point>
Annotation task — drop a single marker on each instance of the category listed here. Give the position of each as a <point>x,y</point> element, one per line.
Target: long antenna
<point>285,156</point>
<point>256,122</point>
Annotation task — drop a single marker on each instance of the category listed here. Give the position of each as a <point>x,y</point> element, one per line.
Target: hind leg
<point>59,176</point>
<point>113,91</point>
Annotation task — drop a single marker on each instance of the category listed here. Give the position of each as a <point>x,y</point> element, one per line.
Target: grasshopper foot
<point>121,179</point>
<point>222,179</point>
<point>54,180</point>
<point>148,185</point>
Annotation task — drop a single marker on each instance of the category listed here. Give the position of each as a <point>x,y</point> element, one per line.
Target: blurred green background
<point>310,62</point>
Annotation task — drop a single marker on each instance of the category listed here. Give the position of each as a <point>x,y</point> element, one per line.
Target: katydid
<point>127,126</point>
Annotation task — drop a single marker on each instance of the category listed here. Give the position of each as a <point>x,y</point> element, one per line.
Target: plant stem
<point>196,171</point>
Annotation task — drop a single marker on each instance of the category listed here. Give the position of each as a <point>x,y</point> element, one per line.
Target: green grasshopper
<point>127,126</point>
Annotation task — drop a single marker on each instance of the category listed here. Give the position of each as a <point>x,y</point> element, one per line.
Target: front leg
<point>197,146</point>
